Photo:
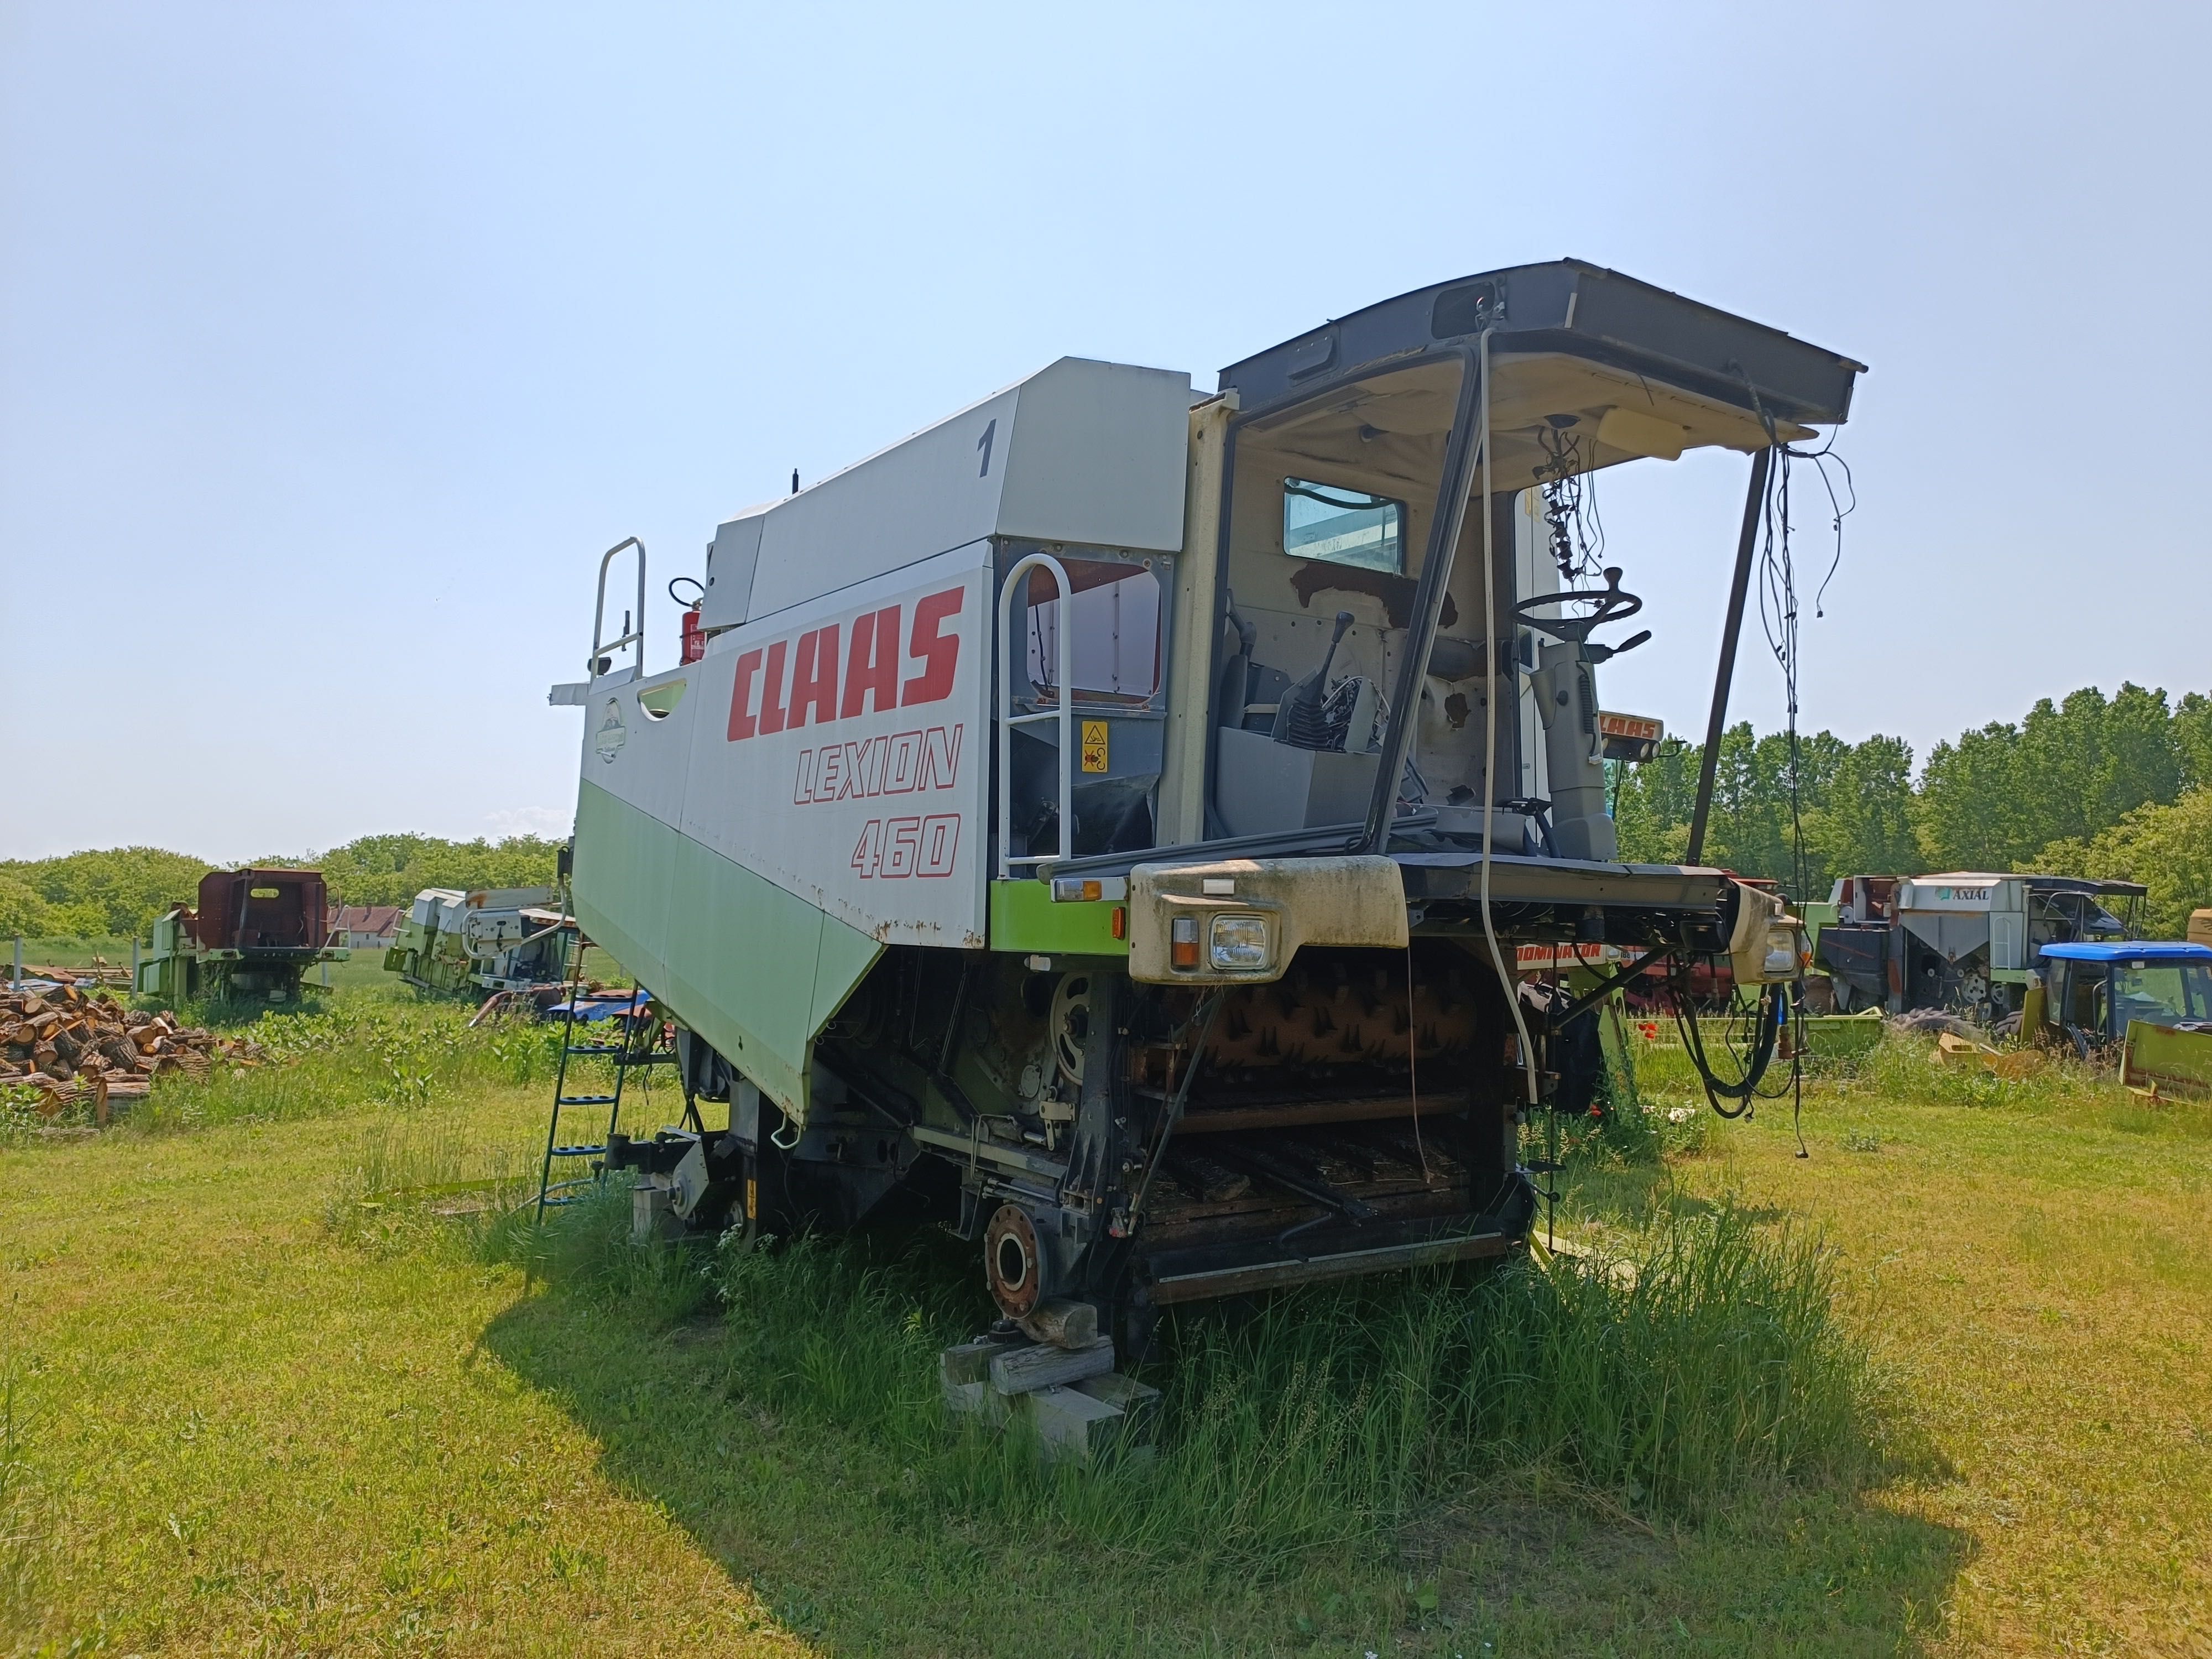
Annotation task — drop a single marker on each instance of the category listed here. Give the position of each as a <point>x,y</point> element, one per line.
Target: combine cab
<point>1150,830</point>
<point>254,934</point>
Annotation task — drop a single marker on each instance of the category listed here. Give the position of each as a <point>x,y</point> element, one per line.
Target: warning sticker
<point>1094,745</point>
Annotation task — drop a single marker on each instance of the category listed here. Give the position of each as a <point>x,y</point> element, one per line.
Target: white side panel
<point>1082,451</point>
<point>1099,454</point>
<point>875,812</point>
<point>937,489</point>
<point>630,753</point>
<point>731,563</point>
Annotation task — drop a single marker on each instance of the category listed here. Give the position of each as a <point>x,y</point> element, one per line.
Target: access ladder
<point>637,1042</point>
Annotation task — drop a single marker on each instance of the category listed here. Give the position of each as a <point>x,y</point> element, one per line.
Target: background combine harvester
<point>1118,818</point>
<point>489,939</point>
<point>253,934</point>
<point>1965,940</point>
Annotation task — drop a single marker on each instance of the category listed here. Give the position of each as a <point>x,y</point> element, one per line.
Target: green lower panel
<point>754,970</point>
<point>1023,918</point>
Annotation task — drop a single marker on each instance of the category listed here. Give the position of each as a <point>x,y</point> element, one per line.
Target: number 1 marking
<point>983,443</point>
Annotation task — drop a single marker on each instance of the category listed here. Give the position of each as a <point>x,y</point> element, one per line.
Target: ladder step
<point>585,1100</point>
<point>595,1047</point>
<point>578,1152</point>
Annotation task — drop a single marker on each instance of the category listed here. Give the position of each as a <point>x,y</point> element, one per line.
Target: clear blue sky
<point>336,340</point>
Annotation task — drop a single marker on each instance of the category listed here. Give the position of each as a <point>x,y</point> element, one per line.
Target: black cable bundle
<point>1752,1047</point>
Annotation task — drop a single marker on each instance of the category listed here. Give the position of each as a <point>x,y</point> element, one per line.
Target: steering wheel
<point>1609,603</point>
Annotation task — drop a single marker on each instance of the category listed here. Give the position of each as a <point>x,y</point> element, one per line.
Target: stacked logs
<point>71,1047</point>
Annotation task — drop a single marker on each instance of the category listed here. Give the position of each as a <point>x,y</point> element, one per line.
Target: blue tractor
<point>2092,989</point>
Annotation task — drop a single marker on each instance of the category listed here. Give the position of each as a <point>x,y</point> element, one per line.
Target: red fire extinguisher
<point>695,637</point>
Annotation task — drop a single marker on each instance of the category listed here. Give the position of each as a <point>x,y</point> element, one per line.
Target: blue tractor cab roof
<point>2129,950</point>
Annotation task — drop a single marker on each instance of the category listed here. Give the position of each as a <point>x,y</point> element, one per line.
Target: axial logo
<point>612,733</point>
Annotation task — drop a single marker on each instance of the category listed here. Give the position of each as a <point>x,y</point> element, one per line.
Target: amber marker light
<point>1183,942</point>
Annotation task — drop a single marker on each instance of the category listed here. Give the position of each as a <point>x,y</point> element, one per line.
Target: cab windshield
<point>2163,994</point>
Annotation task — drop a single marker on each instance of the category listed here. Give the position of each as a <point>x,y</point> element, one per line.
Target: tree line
<point>2086,785</point>
<point>2118,787</point>
<point>120,891</point>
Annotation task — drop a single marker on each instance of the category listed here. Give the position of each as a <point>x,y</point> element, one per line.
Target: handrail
<point>636,637</point>
<point>1063,712</point>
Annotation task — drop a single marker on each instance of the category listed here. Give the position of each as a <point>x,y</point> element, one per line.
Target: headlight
<point>1781,960</point>
<point>1238,942</point>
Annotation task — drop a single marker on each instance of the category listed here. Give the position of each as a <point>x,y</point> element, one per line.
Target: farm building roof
<point>367,918</point>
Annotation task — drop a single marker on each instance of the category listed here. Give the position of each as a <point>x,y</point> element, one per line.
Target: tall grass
<point>1908,1066</point>
<point>438,1184</point>
<point>1705,1355</point>
<point>386,1053</point>
<point>22,1541</point>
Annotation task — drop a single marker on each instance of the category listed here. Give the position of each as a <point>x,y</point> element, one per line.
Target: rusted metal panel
<point>1290,1270</point>
<point>261,909</point>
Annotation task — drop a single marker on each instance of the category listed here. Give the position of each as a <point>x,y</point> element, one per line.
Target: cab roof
<point>1575,309</point>
<point>2129,950</point>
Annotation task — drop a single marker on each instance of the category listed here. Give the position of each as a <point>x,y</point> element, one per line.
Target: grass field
<point>362,972</point>
<point>255,1403</point>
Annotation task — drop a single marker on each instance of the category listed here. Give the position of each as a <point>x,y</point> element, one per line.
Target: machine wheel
<point>1013,1261</point>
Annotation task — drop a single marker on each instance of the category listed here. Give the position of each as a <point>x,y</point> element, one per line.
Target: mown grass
<point>293,1384</point>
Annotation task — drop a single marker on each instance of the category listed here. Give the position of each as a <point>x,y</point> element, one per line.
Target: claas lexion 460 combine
<point>1145,829</point>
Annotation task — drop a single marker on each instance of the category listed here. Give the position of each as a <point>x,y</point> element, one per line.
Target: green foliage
<point>2167,848</point>
<point>393,869</point>
<point>2192,736</point>
<point>1997,797</point>
<point>1865,823</point>
<point>1852,800</point>
<point>1994,799</point>
<point>22,910</point>
<point>399,1055</point>
<point>120,891</point>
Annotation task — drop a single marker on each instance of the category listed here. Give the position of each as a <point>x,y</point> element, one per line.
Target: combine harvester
<point>1968,940</point>
<point>1148,829</point>
<point>253,935</point>
<point>495,939</point>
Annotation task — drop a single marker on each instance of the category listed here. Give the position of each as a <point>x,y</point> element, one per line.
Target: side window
<point>1343,526</point>
<point>1115,617</point>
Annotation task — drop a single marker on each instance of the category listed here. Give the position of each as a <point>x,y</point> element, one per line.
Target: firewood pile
<point>71,1047</point>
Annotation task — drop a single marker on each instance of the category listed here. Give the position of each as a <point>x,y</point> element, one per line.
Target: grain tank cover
<point>1081,452</point>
